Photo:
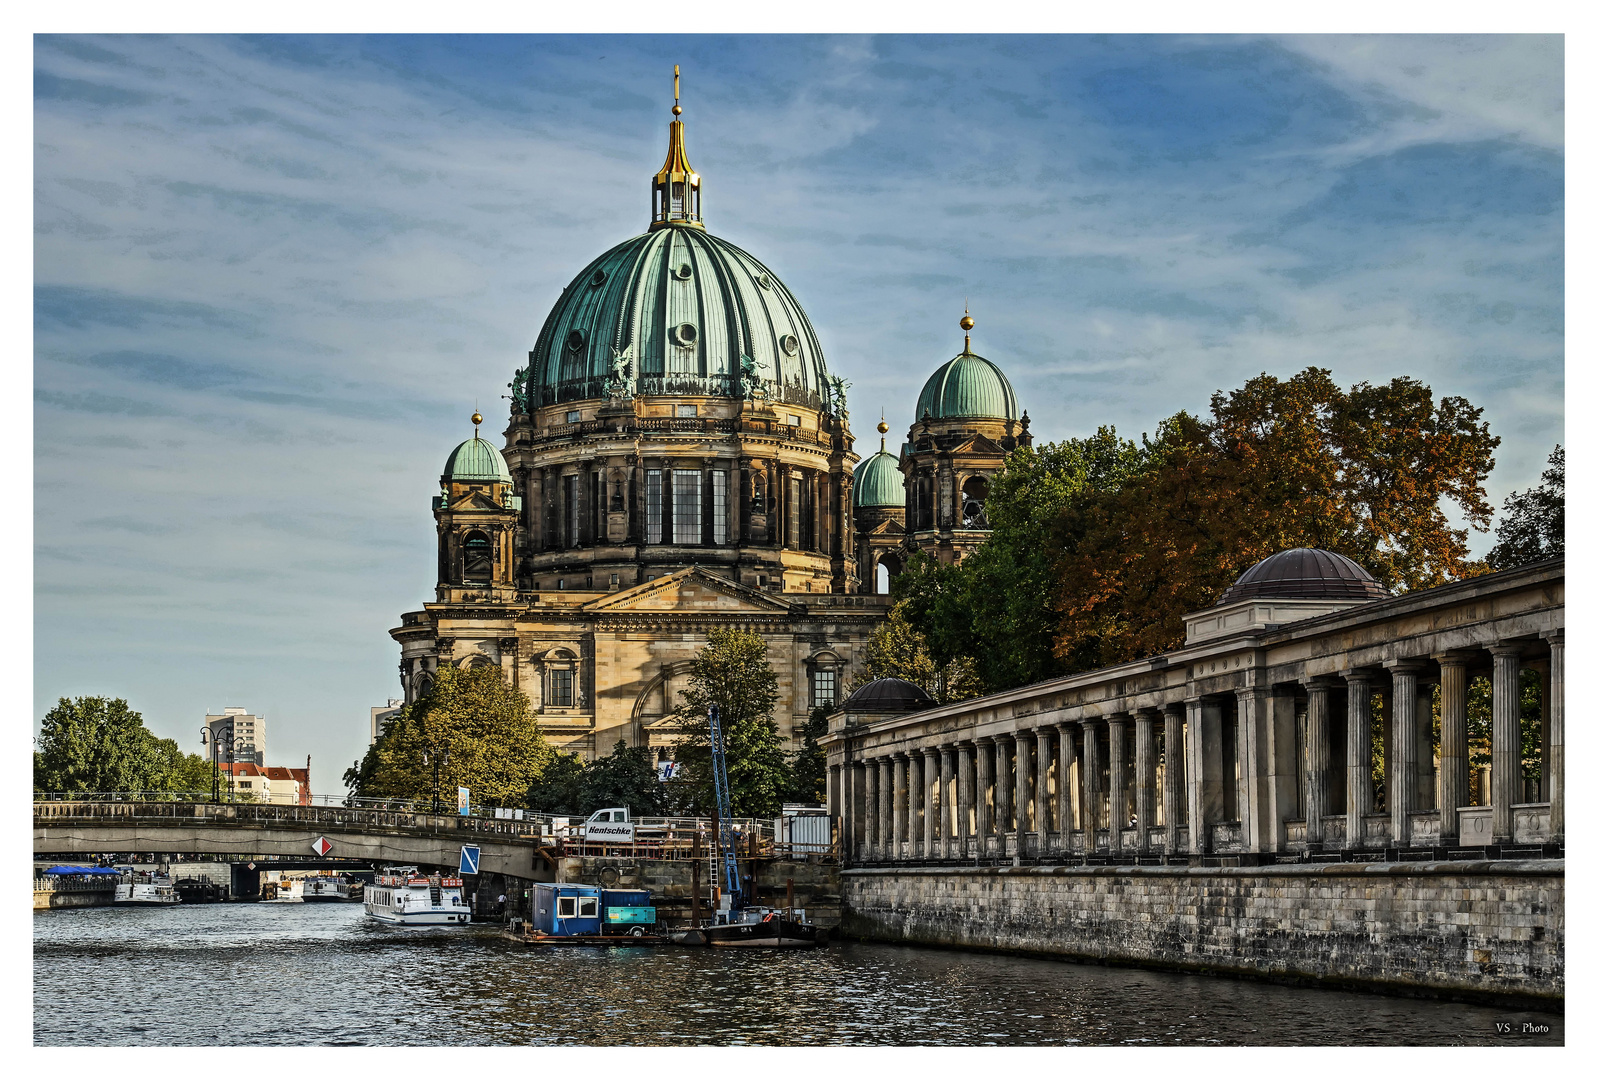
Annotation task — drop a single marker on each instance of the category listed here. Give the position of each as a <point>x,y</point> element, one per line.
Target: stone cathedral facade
<point>678,456</point>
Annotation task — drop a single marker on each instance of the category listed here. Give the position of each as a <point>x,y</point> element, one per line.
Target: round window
<point>764,281</point>
<point>790,344</point>
<point>685,271</point>
<point>598,279</point>
<point>685,334</point>
<point>576,340</point>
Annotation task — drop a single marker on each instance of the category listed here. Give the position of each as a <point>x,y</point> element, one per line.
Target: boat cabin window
<point>566,907</point>
<point>588,907</point>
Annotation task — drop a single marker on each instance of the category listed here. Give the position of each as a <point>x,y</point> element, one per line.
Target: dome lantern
<point>674,192</point>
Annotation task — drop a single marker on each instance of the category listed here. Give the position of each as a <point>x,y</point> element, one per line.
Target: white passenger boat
<point>400,894</point>
<point>327,888</point>
<point>142,888</point>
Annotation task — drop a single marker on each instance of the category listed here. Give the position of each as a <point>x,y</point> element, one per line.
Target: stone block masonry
<point>1490,931</point>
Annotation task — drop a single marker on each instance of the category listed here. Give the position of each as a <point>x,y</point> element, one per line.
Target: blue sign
<point>469,859</point>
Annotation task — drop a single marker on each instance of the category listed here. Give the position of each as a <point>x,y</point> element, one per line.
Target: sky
<point>273,276</point>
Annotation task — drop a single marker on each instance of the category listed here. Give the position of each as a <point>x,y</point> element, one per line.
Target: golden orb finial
<point>966,323</point>
<point>676,90</point>
<point>883,427</point>
<point>477,419</point>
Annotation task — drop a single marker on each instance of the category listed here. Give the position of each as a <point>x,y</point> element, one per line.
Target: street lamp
<point>221,735</point>
<point>436,759</point>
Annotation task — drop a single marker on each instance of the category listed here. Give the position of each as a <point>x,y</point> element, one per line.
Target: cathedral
<point>678,457</point>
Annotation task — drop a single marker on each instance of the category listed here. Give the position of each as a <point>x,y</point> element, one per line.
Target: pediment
<point>979,444</point>
<point>693,590</point>
<point>887,528</point>
<point>475,500</point>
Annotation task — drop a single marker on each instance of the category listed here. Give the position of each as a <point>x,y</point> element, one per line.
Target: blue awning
<point>90,870</point>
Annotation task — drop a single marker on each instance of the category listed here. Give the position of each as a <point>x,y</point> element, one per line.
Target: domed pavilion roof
<point>968,386</point>
<point>888,695</point>
<point>475,459</point>
<point>877,480</point>
<point>1305,574</point>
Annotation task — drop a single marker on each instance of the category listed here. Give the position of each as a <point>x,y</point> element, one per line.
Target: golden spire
<point>477,418</point>
<point>674,192</point>
<point>882,426</point>
<point>966,324</point>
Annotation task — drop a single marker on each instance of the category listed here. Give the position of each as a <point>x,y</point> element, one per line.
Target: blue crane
<point>728,855</point>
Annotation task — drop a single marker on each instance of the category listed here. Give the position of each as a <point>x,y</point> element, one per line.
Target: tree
<point>1277,465</point>
<point>96,744</point>
<point>810,765</point>
<point>624,777</point>
<point>898,650</point>
<point>732,672</point>
<point>1533,527</point>
<point>493,743</point>
<point>559,788</point>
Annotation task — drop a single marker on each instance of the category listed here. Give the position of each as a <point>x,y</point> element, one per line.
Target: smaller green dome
<point>968,385</point>
<point>878,482</point>
<point>475,459</point>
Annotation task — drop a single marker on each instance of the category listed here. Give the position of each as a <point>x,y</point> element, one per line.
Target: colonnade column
<point>1198,840</point>
<point>1065,817</point>
<point>984,755</point>
<point>1143,775</point>
<point>912,804</point>
<point>1506,740</point>
<point>1023,789</point>
<point>1361,796</point>
<point>900,806</point>
<point>1090,786</point>
<point>869,841</point>
<point>1402,773</point>
<point>1453,752</point>
<point>884,807</point>
<point>1003,778</point>
<point>929,801</point>
<point>1040,812</point>
<point>1554,718</point>
<point>967,787</point>
<point>1174,760</point>
<point>1117,799</point>
<point>946,814</point>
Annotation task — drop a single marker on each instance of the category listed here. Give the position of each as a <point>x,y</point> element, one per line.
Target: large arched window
<point>973,503</point>
<point>478,557</point>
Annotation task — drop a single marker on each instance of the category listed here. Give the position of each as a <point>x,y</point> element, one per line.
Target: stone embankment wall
<point>1487,930</point>
<point>815,884</point>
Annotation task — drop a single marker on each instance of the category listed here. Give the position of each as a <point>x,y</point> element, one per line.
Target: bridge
<point>519,849</point>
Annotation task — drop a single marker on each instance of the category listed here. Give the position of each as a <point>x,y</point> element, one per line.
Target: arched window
<point>973,500</point>
<point>478,557</point>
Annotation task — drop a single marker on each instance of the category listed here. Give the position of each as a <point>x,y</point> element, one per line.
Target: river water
<point>324,974</point>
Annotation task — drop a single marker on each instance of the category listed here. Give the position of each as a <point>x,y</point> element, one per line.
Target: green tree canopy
<point>732,672</point>
<point>97,744</point>
<point>487,727</point>
<point>1533,527</point>
<point>898,650</point>
<point>810,764</point>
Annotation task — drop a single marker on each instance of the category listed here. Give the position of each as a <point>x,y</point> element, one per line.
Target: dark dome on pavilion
<point>888,695</point>
<point>1305,574</point>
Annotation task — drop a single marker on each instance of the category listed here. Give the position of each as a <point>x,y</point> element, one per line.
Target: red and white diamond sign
<point>322,845</point>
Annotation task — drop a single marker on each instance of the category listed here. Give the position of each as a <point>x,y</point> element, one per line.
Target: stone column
<point>1143,768</point>
<point>1453,773</point>
<point>1198,839</point>
<point>835,791</point>
<point>1554,753</point>
<point>1090,786</point>
<point>885,808</point>
<point>984,755</point>
<point>1402,771</point>
<point>1065,816</point>
<point>1117,799</point>
<point>1003,778</point>
<point>1506,740</point>
<point>1281,758</point>
<point>929,802</point>
<point>1317,758</point>
<point>1253,718</point>
<point>948,834</point>
<point>1023,790</point>
<point>1361,796</point>
<point>1174,775</point>
<point>913,799</point>
<point>967,787</point>
<point>872,806</point>
<point>1040,810</point>
<point>901,805</point>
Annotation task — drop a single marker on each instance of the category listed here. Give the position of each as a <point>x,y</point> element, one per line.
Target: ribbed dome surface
<point>686,307</point>
<point>1305,574</point>
<point>475,459</point>
<point>888,695</point>
<point>968,386</point>
<point>878,482</point>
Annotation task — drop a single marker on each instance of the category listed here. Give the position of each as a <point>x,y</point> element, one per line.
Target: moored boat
<point>145,888</point>
<point>403,895</point>
<point>325,888</point>
<point>755,927</point>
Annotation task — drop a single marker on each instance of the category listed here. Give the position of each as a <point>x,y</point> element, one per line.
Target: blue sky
<point>274,275</point>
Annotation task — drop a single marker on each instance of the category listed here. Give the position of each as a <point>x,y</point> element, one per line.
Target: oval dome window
<point>790,344</point>
<point>576,340</point>
<point>685,334</point>
<point>764,281</point>
<point>685,271</point>
<point>598,279</point>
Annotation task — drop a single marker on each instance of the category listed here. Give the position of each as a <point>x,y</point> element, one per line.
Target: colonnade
<point>1288,766</point>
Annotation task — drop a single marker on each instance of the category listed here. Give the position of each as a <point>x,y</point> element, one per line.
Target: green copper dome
<point>678,311</point>
<point>877,481</point>
<point>475,459</point>
<point>968,386</point>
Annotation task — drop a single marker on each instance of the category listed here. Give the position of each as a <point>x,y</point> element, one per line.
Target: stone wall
<point>1491,930</point>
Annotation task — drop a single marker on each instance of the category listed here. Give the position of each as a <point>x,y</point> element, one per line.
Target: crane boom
<point>728,855</point>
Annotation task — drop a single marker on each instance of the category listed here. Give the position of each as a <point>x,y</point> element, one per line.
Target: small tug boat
<point>401,894</point>
<point>755,927</point>
<point>145,888</point>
